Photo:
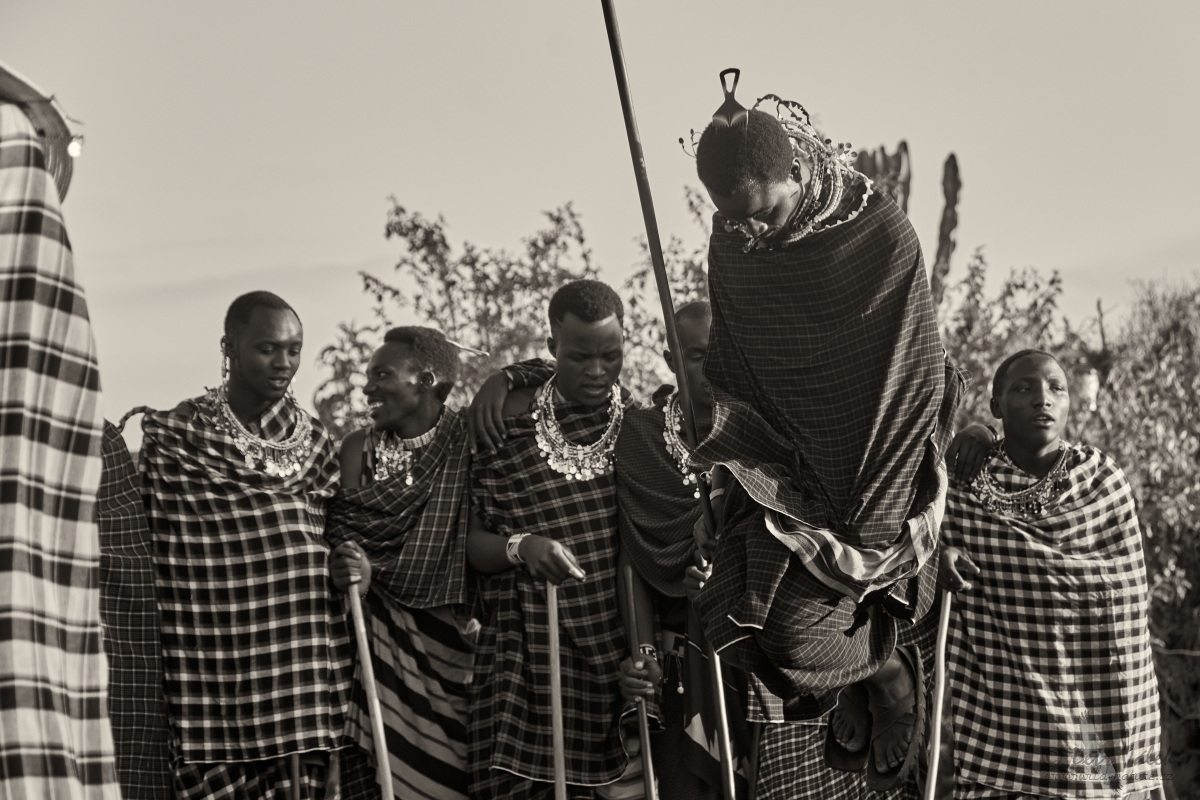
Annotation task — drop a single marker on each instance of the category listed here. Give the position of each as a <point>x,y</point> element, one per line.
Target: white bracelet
<point>511,549</point>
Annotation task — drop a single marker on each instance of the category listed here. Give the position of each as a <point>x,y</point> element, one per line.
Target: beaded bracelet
<point>511,549</point>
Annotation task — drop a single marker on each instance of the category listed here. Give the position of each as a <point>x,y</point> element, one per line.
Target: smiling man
<point>545,510</point>
<point>255,649</point>
<point>400,518</point>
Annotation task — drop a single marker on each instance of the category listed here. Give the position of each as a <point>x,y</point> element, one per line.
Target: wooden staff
<point>654,244</point>
<point>556,705</point>
<point>651,785</point>
<point>383,765</point>
<point>939,695</point>
<point>294,763</point>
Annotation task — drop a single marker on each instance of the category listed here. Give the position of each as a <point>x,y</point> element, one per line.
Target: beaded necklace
<point>676,447</point>
<point>394,455</point>
<point>576,462</point>
<point>277,459</point>
<point>1028,503</point>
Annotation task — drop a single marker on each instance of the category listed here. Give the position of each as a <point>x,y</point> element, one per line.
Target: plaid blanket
<point>55,740</point>
<point>256,652</point>
<point>1049,661</point>
<point>129,611</point>
<point>834,404</point>
<point>415,535</point>
<point>657,510</point>
<point>422,645</point>
<point>515,491</point>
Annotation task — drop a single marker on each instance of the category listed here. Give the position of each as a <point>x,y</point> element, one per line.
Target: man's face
<point>693,342</point>
<point>1033,402</point>
<point>761,208</point>
<point>393,386</point>
<point>265,353</point>
<point>589,356</point>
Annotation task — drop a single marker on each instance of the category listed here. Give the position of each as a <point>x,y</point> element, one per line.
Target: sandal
<point>836,756</point>
<point>884,717</point>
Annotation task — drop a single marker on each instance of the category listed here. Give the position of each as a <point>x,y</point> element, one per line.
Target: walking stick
<point>294,763</point>
<point>939,694</point>
<point>654,244</point>
<point>556,705</point>
<point>648,781</point>
<point>383,765</point>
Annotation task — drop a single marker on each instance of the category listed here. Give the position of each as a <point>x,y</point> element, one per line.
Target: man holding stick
<point>545,511</point>
<point>400,519</point>
<point>834,405</point>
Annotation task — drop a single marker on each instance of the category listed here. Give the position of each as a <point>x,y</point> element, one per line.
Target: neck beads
<point>1028,503</point>
<point>394,455</point>
<point>277,459</point>
<point>576,462</point>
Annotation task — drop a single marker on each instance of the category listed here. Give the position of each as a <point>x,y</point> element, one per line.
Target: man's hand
<point>695,575</point>
<point>485,417</point>
<point>348,565</point>
<point>639,678</point>
<point>549,561</point>
<point>954,563</point>
<point>967,452</point>
<point>706,542</point>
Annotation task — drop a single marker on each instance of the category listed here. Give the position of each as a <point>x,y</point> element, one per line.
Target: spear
<point>668,309</point>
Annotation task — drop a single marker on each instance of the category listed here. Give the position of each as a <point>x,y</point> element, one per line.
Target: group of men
<point>823,402</point>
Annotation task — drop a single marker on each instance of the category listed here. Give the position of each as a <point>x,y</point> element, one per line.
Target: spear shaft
<point>654,244</point>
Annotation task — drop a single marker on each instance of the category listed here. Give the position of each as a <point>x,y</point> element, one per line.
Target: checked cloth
<point>1050,671</point>
<point>422,643</point>
<point>256,651</point>
<point>515,491</point>
<point>55,740</point>
<point>834,403</point>
<point>137,708</point>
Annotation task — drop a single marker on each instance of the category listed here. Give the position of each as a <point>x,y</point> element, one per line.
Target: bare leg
<point>892,685</point>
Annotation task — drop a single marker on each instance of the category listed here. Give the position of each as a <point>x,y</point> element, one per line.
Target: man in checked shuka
<point>834,400</point>
<point>400,518</point>
<point>256,652</point>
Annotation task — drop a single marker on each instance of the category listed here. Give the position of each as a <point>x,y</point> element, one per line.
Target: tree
<point>495,301</point>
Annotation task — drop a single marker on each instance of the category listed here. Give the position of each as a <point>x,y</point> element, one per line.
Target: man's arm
<point>546,559</point>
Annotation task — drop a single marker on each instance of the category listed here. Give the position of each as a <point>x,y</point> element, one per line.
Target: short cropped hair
<point>1002,370</point>
<point>587,299</point>
<point>429,351</point>
<point>695,311</point>
<point>241,309</point>
<point>756,154</point>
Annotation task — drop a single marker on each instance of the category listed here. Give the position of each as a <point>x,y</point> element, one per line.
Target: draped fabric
<point>129,610</point>
<point>422,642</point>
<point>256,651</point>
<point>515,491</point>
<point>1049,663</point>
<point>414,534</point>
<point>55,740</point>
<point>834,401</point>
<point>657,509</point>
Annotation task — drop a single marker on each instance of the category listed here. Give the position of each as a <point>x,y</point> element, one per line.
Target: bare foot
<point>892,687</point>
<point>850,721</point>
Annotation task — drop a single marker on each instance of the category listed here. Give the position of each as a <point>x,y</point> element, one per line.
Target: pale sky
<point>233,146</point>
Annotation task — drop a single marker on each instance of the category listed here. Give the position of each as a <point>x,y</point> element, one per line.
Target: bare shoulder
<point>519,401</point>
<point>350,458</point>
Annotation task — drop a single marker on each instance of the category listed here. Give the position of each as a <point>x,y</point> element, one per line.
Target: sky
<point>233,146</point>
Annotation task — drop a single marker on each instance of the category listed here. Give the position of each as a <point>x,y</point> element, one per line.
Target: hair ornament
<point>731,114</point>
<point>469,350</point>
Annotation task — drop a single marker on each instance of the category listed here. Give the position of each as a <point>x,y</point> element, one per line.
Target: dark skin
<point>1034,404</point>
<point>765,207</point>
<point>589,357</point>
<point>264,355</point>
<point>403,400</point>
